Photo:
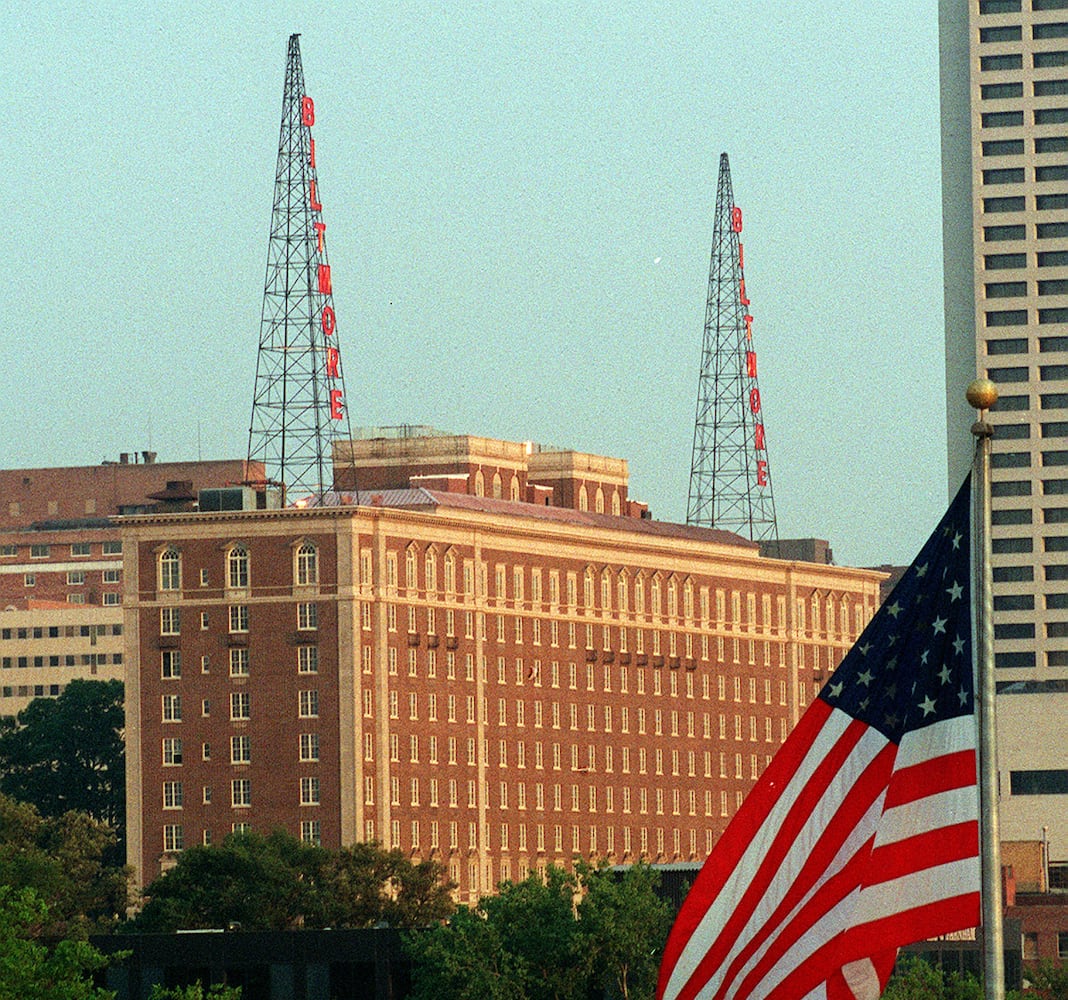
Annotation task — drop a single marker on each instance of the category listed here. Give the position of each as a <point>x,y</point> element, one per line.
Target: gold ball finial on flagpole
<point>982,394</point>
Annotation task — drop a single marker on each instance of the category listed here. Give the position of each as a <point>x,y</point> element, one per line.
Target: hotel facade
<point>495,683</point>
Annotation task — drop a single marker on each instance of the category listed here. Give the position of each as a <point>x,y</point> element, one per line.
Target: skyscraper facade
<point>1004,103</point>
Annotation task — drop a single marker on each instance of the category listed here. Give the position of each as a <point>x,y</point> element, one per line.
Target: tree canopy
<point>275,882</point>
<point>593,931</point>
<point>64,860</point>
<point>29,969</point>
<point>67,753</point>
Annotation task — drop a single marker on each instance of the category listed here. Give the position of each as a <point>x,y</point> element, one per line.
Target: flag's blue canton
<point>913,663</point>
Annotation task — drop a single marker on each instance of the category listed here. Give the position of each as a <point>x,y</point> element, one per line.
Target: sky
<point>519,200</point>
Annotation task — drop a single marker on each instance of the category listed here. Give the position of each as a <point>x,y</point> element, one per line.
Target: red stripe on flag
<point>925,850</point>
<point>721,864</point>
<point>940,774</point>
<point>852,809</point>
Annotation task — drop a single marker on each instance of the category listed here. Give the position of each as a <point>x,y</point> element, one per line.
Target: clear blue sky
<point>498,181</point>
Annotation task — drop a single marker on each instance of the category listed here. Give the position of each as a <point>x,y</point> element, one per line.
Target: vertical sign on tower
<point>730,480</point>
<point>299,409</point>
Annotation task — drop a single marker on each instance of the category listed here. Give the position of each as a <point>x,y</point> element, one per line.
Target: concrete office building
<point>1004,96</point>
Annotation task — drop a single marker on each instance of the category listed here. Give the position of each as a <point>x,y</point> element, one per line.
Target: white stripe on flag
<point>936,740</point>
<point>958,805</point>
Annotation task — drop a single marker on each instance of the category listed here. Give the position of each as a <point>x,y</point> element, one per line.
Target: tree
<point>29,970</point>
<point>915,979</point>
<point>67,753</point>
<point>64,861</point>
<point>195,992</point>
<point>623,925</point>
<point>561,935</point>
<point>1047,981</point>
<point>277,882</point>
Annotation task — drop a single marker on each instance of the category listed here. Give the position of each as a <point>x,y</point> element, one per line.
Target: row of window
<point>77,549</point>
<point>1014,32</point>
<point>1018,231</point>
<point>236,563</point>
<point>239,660</point>
<point>1013,89</point>
<point>1046,373</point>
<point>240,793</point>
<point>60,631</point>
<point>32,690</point>
<point>65,660</point>
<point>240,749</point>
<point>240,706</point>
<point>1014,6</point>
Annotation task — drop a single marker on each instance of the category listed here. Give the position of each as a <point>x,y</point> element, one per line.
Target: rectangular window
<point>172,708</point>
<point>309,704</point>
<point>241,792</point>
<point>240,705</point>
<point>173,839</point>
<point>172,663</point>
<point>240,750</point>
<point>309,791</point>
<point>307,616</point>
<point>309,746</point>
<point>308,659</point>
<point>239,662</point>
<point>238,618</point>
<point>172,795</point>
<point>172,752</point>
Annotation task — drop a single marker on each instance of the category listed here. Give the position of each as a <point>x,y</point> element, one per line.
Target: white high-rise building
<point>1004,96</point>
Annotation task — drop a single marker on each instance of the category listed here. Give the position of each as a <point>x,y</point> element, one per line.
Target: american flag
<point>862,834</point>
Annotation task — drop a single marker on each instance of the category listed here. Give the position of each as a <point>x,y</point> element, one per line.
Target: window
<point>172,663</point>
<point>309,791</point>
<point>308,659</point>
<point>309,704</point>
<point>240,705</point>
<point>309,746</point>
<point>40,551</point>
<point>170,570</point>
<point>241,792</point>
<point>172,752</point>
<point>240,750</point>
<point>307,565</point>
<point>173,839</point>
<point>238,618</point>
<point>310,832</point>
<point>169,621</point>
<point>172,708</point>
<point>239,662</point>
<point>79,548</point>
<point>307,616</point>
<point>113,548</point>
<point>172,795</point>
<point>237,568</point>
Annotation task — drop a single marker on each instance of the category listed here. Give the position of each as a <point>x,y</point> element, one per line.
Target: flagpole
<point>982,394</point>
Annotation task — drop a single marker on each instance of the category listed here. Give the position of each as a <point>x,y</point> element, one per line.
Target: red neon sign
<point>750,364</point>
<point>736,219</point>
<point>335,404</point>
<point>307,111</point>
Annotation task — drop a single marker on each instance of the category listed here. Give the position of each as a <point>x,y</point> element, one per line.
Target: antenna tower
<point>298,404</point>
<point>730,478</point>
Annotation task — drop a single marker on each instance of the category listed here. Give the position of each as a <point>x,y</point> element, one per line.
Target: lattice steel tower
<point>730,477</point>
<point>298,406</point>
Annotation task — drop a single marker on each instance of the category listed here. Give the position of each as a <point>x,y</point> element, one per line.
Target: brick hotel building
<point>496,683</point>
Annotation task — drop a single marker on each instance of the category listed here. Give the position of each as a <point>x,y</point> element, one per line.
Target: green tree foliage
<point>276,882</point>
<point>67,753</point>
<point>29,970</point>
<point>1047,981</point>
<point>915,979</point>
<point>593,932</point>
<point>63,859</point>
<point>195,992</point>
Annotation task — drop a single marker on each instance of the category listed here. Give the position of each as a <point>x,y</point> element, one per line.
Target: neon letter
<point>762,472</point>
<point>754,400</point>
<point>311,154</point>
<point>307,111</point>
<point>741,288</point>
<point>736,219</point>
<point>320,228</point>
<point>748,327</point>
<point>750,364</point>
<point>316,206</point>
<point>758,438</point>
<point>332,358</point>
<point>329,321</point>
<point>741,249</point>
<point>335,404</point>
<point>324,279</point>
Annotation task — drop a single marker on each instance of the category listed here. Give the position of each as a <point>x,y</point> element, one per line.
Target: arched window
<point>615,504</point>
<point>431,564</point>
<point>583,499</point>
<point>480,484</point>
<point>307,565</point>
<point>497,485</point>
<point>513,488</point>
<point>237,567</point>
<point>410,568</point>
<point>170,570</point>
<point>598,501</point>
<point>450,572</point>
